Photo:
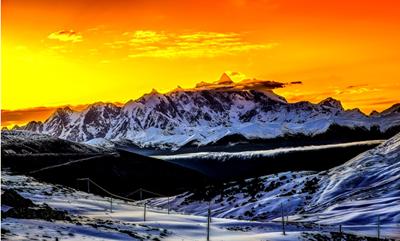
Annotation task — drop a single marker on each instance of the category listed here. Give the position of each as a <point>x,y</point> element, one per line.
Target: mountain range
<point>205,115</point>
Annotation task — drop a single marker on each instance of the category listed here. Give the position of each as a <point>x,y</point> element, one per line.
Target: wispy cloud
<point>246,84</point>
<point>147,37</point>
<point>355,89</point>
<point>66,36</point>
<point>12,117</point>
<point>145,43</point>
<point>226,83</point>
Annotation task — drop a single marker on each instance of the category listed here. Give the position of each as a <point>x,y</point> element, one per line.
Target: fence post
<point>144,212</point>
<point>208,223</point>
<point>209,207</point>
<point>168,205</point>
<point>283,220</point>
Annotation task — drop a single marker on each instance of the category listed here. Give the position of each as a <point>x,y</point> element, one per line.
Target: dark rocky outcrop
<point>25,209</point>
<point>44,212</point>
<point>12,199</point>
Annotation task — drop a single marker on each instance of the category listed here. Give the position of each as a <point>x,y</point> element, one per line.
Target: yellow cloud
<point>146,43</point>
<point>146,37</point>
<point>66,36</point>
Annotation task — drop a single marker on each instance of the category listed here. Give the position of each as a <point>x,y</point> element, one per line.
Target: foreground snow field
<point>92,220</point>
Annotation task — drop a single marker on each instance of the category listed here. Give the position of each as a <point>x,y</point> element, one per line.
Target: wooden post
<point>209,208</point>
<point>283,220</point>
<point>144,212</point>
<point>168,205</point>
<point>208,223</point>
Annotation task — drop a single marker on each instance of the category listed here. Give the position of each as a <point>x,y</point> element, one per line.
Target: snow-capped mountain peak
<point>206,114</point>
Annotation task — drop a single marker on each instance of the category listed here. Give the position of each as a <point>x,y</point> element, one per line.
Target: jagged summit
<point>374,113</point>
<point>64,109</point>
<point>100,105</point>
<point>331,103</point>
<point>61,112</point>
<point>154,92</point>
<point>224,80</point>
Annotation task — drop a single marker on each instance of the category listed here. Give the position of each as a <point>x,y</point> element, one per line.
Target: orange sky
<point>82,51</point>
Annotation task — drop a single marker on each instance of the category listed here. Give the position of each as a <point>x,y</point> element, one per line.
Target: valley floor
<point>91,219</point>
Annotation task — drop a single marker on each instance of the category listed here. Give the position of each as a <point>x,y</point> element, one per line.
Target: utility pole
<point>283,220</point>
<point>144,212</point>
<point>111,205</point>
<point>208,223</point>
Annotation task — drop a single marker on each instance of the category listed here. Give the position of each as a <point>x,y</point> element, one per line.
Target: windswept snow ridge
<point>261,153</point>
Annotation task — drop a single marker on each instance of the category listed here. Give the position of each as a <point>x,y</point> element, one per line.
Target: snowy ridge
<point>353,193</point>
<point>261,153</point>
<point>204,115</point>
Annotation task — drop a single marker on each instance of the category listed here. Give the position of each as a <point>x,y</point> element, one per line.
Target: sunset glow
<point>76,52</point>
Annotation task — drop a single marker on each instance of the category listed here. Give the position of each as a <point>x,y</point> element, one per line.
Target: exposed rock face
<point>26,209</point>
<point>41,212</point>
<point>12,199</point>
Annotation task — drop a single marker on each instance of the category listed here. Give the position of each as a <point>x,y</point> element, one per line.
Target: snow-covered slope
<point>356,192</point>
<point>27,142</point>
<point>91,219</point>
<point>204,115</point>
